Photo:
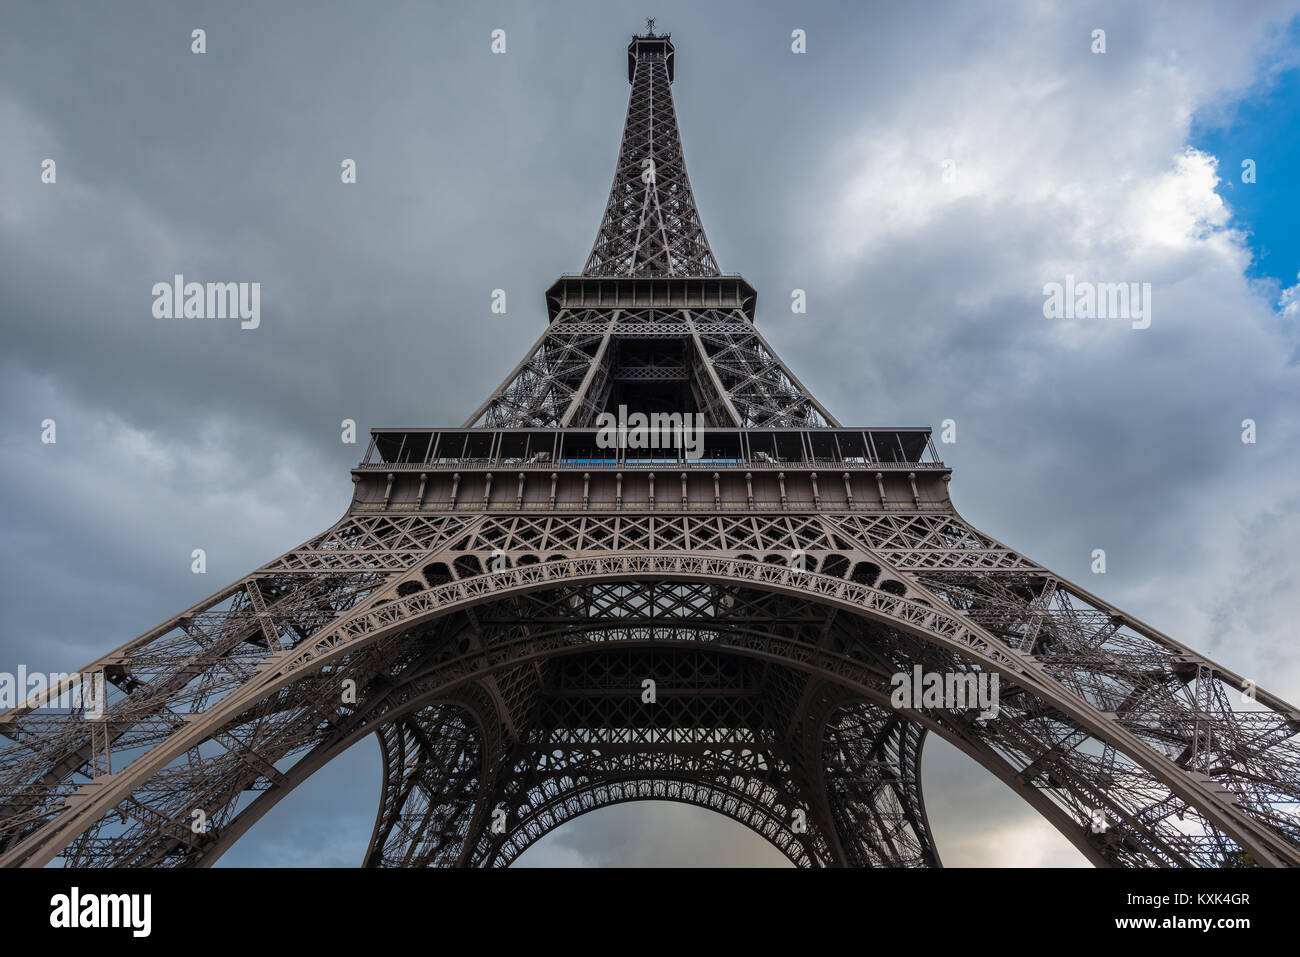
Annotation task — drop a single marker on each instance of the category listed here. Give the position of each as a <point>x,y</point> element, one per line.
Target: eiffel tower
<point>536,623</point>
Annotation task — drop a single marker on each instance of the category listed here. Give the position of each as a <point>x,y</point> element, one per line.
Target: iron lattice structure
<point>496,596</point>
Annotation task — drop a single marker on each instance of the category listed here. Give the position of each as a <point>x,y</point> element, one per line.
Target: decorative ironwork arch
<point>456,663</point>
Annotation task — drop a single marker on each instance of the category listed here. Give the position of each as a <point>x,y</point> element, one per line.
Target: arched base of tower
<point>837,784</point>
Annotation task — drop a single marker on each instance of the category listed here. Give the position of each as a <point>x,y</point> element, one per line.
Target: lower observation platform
<point>566,469</point>
<point>422,449</point>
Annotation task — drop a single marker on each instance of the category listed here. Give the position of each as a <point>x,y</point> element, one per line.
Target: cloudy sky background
<point>819,171</point>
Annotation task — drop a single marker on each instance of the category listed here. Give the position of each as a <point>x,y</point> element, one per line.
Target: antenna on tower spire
<point>650,26</point>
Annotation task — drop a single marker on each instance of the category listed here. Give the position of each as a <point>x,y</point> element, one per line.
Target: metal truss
<point>1098,712</point>
<point>651,226</point>
<point>500,640</point>
<point>732,375</point>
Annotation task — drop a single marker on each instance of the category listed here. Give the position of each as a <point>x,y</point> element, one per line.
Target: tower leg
<point>433,771</point>
<point>872,778</point>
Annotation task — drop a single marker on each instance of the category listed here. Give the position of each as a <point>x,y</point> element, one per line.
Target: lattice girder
<point>736,377</point>
<point>1041,683</point>
<point>651,225</point>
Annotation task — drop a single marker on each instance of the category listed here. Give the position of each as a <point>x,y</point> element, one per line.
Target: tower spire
<point>651,226</point>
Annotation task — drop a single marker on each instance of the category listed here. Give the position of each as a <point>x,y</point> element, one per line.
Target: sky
<point>822,171</point>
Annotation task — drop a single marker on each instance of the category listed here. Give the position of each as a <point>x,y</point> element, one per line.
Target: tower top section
<point>649,45</point>
<point>651,227</point>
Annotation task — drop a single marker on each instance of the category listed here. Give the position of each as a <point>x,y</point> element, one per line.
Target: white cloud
<point>1289,303</point>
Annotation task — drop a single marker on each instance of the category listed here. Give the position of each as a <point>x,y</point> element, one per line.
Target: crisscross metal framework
<point>497,600</point>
